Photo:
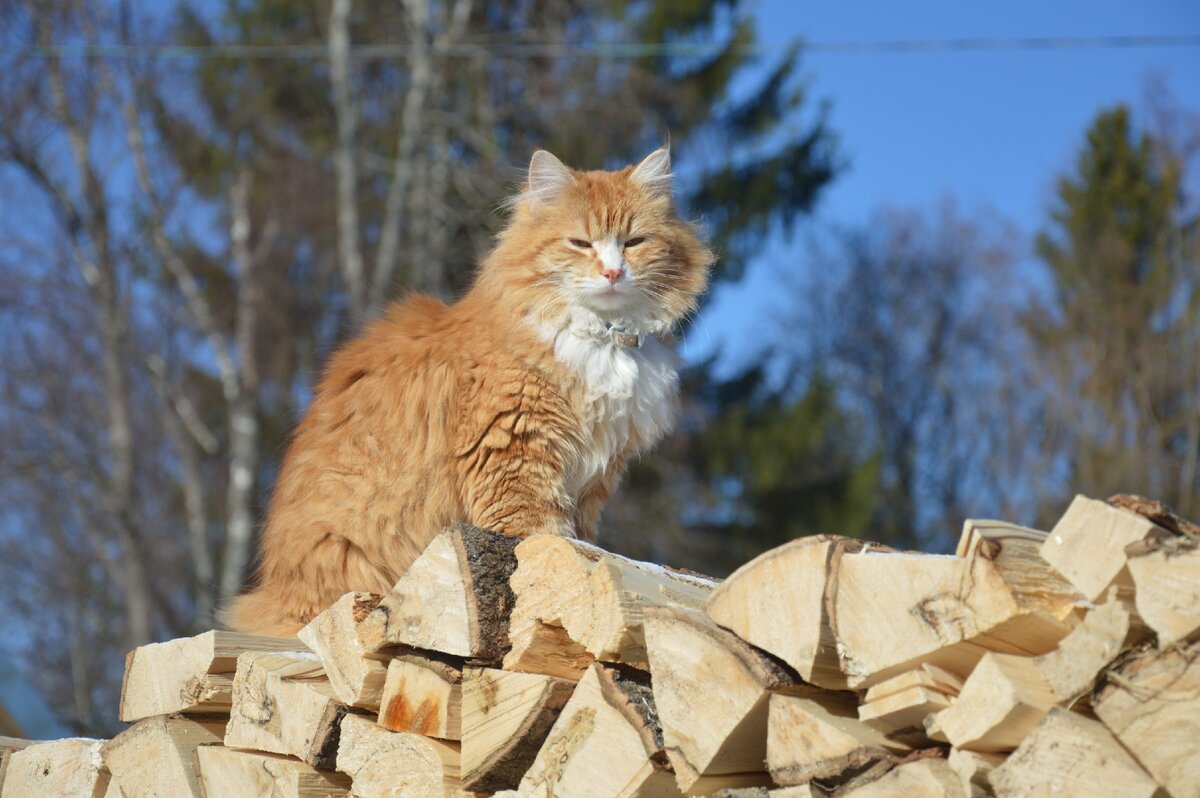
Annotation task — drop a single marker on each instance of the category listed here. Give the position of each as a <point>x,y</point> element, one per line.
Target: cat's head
<point>604,243</point>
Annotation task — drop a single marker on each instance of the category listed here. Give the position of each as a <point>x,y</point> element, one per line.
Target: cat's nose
<point>613,273</point>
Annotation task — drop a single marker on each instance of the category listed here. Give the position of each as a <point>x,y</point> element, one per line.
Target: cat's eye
<point>579,242</point>
<point>633,242</point>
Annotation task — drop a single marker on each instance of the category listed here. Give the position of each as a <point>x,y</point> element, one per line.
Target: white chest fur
<point>629,396</point>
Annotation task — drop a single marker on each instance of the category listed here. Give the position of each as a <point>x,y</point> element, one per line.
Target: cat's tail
<point>259,613</point>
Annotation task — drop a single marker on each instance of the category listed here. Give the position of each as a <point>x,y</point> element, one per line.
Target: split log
<point>596,597</point>
<point>779,602</point>
<point>1004,697</point>
<point>1046,604</point>
<point>1152,705</point>
<point>894,611</point>
<point>386,764</point>
<point>1167,581</point>
<point>606,743</point>
<point>1071,669</point>
<point>974,770</point>
<point>928,777</point>
<point>231,772</point>
<point>817,736</point>
<point>424,696</point>
<point>71,768</point>
<point>1087,545</point>
<point>7,746</point>
<point>191,674</point>
<point>283,704</point>
<point>356,673</point>
<point>711,689</point>
<point>157,756</point>
<point>926,676</point>
<point>1071,756</point>
<point>901,715</point>
<point>505,719</point>
<point>454,598</point>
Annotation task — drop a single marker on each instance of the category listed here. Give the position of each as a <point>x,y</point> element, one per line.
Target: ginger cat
<point>515,409</point>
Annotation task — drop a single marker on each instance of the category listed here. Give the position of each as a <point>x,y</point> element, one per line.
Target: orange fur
<point>476,411</point>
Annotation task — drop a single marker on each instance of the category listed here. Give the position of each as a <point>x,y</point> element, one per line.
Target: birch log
<point>454,598</point>
<point>191,674</point>
<point>356,673</point>
<point>283,704</point>
<point>423,695</point>
<point>156,757</point>
<point>1002,700</point>
<point>386,764</point>
<point>71,768</point>
<point>597,598</point>
<point>229,772</point>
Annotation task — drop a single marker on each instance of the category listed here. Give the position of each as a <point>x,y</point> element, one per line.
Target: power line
<point>380,52</point>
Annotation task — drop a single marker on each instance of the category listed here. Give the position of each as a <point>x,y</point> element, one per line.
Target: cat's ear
<point>654,172</point>
<point>548,176</point>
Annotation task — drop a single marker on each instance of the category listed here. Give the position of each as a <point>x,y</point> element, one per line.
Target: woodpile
<point>1026,664</point>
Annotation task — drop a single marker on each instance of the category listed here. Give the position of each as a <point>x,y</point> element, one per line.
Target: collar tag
<point>626,337</point>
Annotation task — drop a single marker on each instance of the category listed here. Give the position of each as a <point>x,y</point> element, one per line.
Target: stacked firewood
<point>1026,664</point>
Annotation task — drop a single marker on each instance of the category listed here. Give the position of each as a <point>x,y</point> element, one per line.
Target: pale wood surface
<point>386,764</point>
<point>974,770</point>
<point>1168,591</point>
<point>711,690</point>
<point>7,746</point>
<point>356,673</point>
<point>283,704</point>
<point>818,736</point>
<point>506,716</point>
<point>606,743</point>
<point>1087,545</point>
<point>156,757</point>
<point>902,714</point>
<point>1071,669</point>
<point>1070,756</point>
<point>779,602</point>
<point>922,778</point>
<point>231,773</point>
<point>190,674</point>
<point>598,598</point>
<point>455,598</point>
<point>1002,700</point>
<point>423,695</point>
<point>71,768</point>
<point>1152,705</point>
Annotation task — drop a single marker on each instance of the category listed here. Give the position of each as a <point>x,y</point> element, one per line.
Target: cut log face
<point>386,764</point>
<point>711,689</point>
<point>283,704</point>
<point>1069,755</point>
<point>606,743</point>
<point>596,597</point>
<point>1002,700</point>
<point>974,771</point>
<point>901,715</point>
<point>1152,705</point>
<point>818,736</point>
<point>70,768</point>
<point>231,772</point>
<point>454,598</point>
<point>505,719</point>
<point>779,602</point>
<point>424,696</point>
<point>929,777</point>
<point>895,611</point>
<point>7,746</point>
<point>157,756</point>
<point>1167,580</point>
<point>1071,669</point>
<point>1087,545</point>
<point>355,673</point>
<point>191,674</point>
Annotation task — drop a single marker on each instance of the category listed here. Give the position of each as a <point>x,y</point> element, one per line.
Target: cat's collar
<point>625,336</point>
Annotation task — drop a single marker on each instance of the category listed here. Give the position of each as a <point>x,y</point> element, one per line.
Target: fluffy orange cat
<point>515,409</point>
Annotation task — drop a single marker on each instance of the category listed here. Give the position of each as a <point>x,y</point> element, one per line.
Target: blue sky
<point>991,129</point>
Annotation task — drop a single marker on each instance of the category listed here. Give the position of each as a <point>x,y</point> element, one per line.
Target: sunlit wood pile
<point>1026,664</point>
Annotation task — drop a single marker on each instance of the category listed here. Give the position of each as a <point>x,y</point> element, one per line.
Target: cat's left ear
<point>654,172</point>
